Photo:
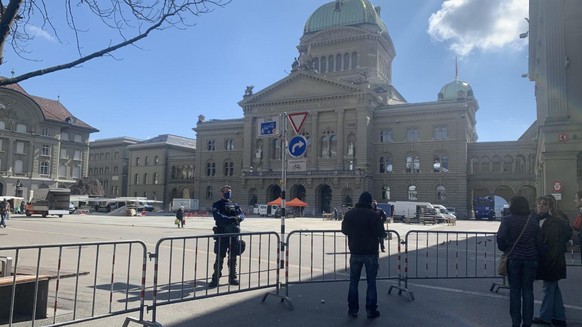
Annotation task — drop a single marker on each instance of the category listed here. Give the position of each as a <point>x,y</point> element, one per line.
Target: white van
<point>442,213</point>
<point>267,210</point>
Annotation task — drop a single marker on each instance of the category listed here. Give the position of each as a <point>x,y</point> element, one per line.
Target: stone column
<point>340,139</point>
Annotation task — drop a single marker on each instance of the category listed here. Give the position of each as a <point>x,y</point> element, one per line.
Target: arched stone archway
<point>273,192</point>
<point>324,194</point>
<point>505,192</point>
<point>297,191</point>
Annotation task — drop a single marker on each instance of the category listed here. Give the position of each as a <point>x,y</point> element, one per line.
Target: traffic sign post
<point>268,126</point>
<point>297,146</point>
<point>297,119</point>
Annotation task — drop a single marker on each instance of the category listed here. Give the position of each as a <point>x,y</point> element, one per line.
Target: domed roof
<point>343,13</point>
<point>456,90</point>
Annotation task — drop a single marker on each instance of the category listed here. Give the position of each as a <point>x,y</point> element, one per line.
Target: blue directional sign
<point>297,146</point>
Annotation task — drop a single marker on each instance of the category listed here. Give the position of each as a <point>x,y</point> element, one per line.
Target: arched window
<point>146,178</point>
<point>228,168</point>
<point>507,165</point>
<point>412,163</point>
<point>485,165</point>
<point>323,65</point>
<point>324,146</point>
<point>211,145</point>
<point>137,179</point>
<point>440,163</point>
<point>156,160</point>
<point>496,165</point>
<point>520,164</point>
<point>354,60</point>
<point>156,178</point>
<point>137,161</point>
<point>146,161</point>
<point>229,144</point>
<point>412,195</point>
<point>346,61</point>
<point>338,62</point>
<point>210,168</point>
<point>441,195</point>
<point>333,146</point>
<point>331,63</point>
<point>382,167</point>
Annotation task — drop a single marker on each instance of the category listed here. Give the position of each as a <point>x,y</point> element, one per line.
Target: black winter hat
<point>365,198</point>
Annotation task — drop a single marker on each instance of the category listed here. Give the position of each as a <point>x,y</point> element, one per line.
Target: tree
<point>133,20</point>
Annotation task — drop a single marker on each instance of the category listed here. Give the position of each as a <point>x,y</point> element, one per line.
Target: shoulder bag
<point>502,267</point>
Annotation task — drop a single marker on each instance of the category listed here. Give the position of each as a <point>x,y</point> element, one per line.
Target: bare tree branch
<point>121,15</point>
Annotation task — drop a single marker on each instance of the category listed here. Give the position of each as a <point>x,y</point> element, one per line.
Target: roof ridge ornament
<point>338,5</point>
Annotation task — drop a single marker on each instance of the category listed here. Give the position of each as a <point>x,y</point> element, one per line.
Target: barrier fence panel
<point>56,285</point>
<point>315,256</point>
<point>451,254</point>
<point>184,266</point>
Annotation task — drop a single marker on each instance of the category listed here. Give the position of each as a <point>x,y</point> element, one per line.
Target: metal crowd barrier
<point>322,256</point>
<point>183,268</point>
<point>57,285</point>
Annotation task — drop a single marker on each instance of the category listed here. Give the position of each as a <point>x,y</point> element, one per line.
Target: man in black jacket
<point>363,227</point>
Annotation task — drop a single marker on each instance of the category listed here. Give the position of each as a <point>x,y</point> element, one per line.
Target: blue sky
<point>163,84</point>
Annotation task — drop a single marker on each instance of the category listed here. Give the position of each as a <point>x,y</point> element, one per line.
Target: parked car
<point>72,207</point>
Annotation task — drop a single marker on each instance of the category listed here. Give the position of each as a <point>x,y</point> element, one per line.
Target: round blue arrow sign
<point>297,146</point>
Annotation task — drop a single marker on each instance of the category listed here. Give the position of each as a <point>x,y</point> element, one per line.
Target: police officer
<point>227,216</point>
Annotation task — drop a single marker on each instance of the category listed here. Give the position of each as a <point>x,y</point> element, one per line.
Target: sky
<point>162,84</point>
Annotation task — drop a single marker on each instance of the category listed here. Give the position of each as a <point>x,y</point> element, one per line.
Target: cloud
<point>35,31</point>
<point>486,25</point>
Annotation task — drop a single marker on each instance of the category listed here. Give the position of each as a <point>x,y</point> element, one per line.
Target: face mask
<point>226,195</point>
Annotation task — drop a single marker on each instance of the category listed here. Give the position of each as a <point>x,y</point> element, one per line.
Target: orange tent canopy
<point>296,203</point>
<point>276,202</point>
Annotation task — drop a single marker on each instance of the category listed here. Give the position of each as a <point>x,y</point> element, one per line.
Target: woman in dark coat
<point>555,233</point>
<point>522,263</point>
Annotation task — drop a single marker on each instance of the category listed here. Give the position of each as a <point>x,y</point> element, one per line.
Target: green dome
<point>343,13</point>
<point>456,90</point>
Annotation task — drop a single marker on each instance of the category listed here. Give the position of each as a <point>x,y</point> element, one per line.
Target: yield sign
<point>297,119</point>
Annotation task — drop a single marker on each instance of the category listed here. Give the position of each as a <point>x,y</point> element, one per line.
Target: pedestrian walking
<point>364,228</point>
<point>518,235</point>
<point>3,213</point>
<point>180,217</point>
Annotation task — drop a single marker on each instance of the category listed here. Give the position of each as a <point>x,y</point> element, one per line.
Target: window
<point>385,192</point>
<point>209,193</point>
<point>137,161</point>
<point>21,128</point>
<point>1,146</point>
<point>331,63</point>
<point>520,164</point>
<point>496,165</point>
<point>45,151</point>
<point>78,138</point>
<point>385,165</point>
<point>440,193</point>
<point>107,155</point>
<point>44,168</point>
<point>115,169</point>
<point>210,169</point>
<point>412,164</point>
<point>64,136</point>
<point>412,134</point>
<point>276,149</point>
<point>156,160</point>
<point>412,195</point>
<point>45,131</point>
<point>354,60</point>
<point>210,145</point>
<point>115,155</point>
<point>137,179</point>
<point>440,163</point>
<point>507,165</point>
<point>63,171</point>
<point>328,145</point>
<point>106,170</point>
<point>77,155</point>
<point>440,133</point>
<point>323,65</point>
<point>2,125</point>
<point>146,178</point>
<point>77,172</point>
<point>346,61</point>
<point>146,161</point>
<point>338,62</point>
<point>18,166</point>
<point>229,144</point>
<point>20,147</point>
<point>156,178</point>
<point>228,168</point>
<point>386,136</point>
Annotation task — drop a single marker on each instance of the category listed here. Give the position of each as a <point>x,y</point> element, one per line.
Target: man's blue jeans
<point>552,304</point>
<point>356,263</point>
<point>3,219</point>
<point>521,276</point>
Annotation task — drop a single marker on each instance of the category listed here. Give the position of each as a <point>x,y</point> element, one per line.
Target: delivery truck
<point>49,201</point>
